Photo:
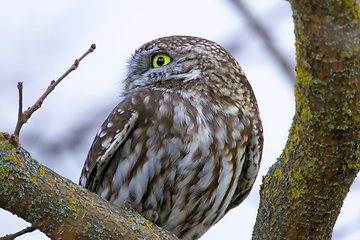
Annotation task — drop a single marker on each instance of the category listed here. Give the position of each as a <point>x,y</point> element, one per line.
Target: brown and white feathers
<point>186,139</point>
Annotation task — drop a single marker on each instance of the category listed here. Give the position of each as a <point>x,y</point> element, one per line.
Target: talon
<point>128,203</point>
<point>151,215</point>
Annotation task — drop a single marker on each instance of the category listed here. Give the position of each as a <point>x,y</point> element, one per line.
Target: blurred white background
<point>40,40</point>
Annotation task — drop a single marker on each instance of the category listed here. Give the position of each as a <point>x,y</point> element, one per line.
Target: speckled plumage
<point>185,141</point>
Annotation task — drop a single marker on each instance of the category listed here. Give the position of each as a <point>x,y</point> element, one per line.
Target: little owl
<point>185,141</point>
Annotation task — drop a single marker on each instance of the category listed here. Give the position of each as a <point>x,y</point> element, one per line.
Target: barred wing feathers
<point>110,136</point>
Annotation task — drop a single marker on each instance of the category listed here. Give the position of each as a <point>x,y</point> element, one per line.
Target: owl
<point>186,139</point>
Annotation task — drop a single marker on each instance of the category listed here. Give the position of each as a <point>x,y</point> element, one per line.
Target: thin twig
<point>20,114</point>
<point>15,235</point>
<point>24,116</point>
<point>263,33</point>
<point>20,87</point>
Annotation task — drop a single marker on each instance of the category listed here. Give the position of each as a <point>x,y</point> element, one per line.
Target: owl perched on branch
<point>185,141</point>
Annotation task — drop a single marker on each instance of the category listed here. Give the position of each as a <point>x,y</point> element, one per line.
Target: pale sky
<point>41,39</point>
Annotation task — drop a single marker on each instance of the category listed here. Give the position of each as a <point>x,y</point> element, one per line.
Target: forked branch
<point>24,116</point>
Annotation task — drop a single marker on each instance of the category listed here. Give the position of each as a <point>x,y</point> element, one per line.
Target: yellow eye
<point>160,60</point>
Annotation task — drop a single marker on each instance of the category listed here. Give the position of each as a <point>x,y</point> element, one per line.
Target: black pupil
<point>160,61</point>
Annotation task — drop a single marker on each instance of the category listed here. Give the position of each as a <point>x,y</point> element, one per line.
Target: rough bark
<point>60,208</point>
<point>302,193</point>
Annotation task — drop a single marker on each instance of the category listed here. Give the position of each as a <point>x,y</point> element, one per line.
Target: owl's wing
<point>110,136</point>
<point>250,168</point>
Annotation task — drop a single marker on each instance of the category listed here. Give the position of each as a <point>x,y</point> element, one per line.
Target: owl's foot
<point>128,203</point>
<point>151,215</point>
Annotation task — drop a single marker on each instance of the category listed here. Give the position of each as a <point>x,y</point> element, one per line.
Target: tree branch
<point>259,29</point>
<point>18,234</point>
<point>23,117</point>
<point>301,195</point>
<point>60,208</point>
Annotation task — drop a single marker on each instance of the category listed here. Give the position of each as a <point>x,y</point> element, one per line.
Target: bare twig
<point>20,87</point>
<point>290,72</point>
<point>15,235</point>
<point>24,116</point>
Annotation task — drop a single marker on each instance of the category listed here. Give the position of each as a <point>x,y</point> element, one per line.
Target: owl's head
<point>178,63</point>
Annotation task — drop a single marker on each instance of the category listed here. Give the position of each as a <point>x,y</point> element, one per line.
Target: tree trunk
<point>302,193</point>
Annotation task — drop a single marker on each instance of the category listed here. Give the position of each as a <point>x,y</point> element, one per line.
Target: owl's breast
<point>183,159</point>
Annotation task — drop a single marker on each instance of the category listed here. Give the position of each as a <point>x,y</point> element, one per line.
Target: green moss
<point>300,32</point>
<point>42,172</point>
<point>147,224</point>
<point>345,54</point>
<point>311,165</point>
<point>305,82</point>
<point>306,113</point>
<point>3,172</point>
<point>298,175</point>
<point>278,174</point>
<point>297,192</point>
<point>356,116</point>
<point>86,226</point>
<point>355,164</point>
<point>33,179</point>
<point>72,203</point>
<point>266,179</point>
<point>294,136</point>
<point>304,78</point>
<point>11,159</point>
<point>349,8</point>
<point>6,146</point>
<point>287,155</point>
<point>75,212</point>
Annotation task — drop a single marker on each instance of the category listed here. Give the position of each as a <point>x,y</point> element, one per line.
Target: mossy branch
<point>60,208</point>
<point>303,192</point>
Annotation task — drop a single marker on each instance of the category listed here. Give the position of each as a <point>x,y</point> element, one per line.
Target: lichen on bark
<point>60,208</point>
<point>303,191</point>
